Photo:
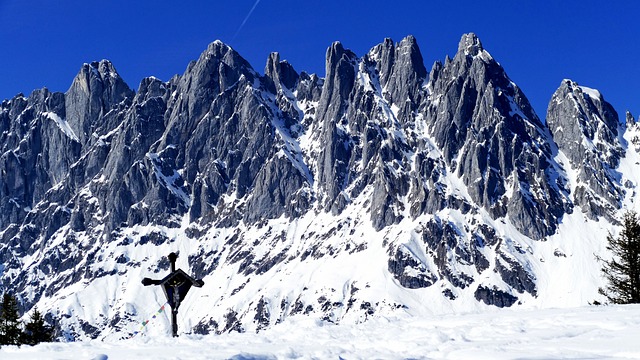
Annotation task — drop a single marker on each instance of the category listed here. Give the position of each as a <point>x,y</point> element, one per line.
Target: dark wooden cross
<point>175,286</point>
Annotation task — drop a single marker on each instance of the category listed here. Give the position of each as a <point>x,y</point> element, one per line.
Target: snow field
<point>606,332</point>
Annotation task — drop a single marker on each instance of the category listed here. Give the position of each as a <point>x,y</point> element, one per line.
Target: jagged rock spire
<point>470,45</point>
<point>280,73</point>
<point>585,127</point>
<point>96,89</point>
<point>629,119</point>
<point>489,132</point>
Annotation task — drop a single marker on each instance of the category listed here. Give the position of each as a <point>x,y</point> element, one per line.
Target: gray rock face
<point>490,135</point>
<point>280,74</point>
<point>496,297</point>
<point>401,74</point>
<point>38,149</point>
<point>586,129</point>
<point>629,120</point>
<point>94,92</point>
<point>329,125</point>
<point>425,162</point>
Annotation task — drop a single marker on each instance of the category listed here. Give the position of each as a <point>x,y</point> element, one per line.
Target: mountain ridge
<point>445,185</point>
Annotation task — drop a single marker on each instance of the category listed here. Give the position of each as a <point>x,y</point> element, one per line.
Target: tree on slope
<point>622,272</point>
<point>36,330</point>
<point>10,332</point>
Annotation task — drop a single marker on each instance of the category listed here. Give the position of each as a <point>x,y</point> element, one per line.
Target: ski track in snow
<point>607,332</point>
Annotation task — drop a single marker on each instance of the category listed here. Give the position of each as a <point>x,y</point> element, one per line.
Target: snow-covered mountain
<point>380,188</point>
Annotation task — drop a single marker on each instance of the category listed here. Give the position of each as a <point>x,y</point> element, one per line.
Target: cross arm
<point>147,282</point>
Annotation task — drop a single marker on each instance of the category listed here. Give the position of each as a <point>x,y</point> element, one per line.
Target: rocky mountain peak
<point>101,76</point>
<point>96,89</point>
<point>105,68</point>
<point>340,73</point>
<point>407,74</point>
<point>475,109</point>
<point>629,119</point>
<point>280,73</point>
<point>341,69</point>
<point>582,122</point>
<point>337,56</point>
<point>383,55</point>
<point>589,115</point>
<point>408,55</point>
<point>223,63</point>
<point>470,45</point>
<point>398,70</point>
<point>219,69</point>
<point>218,49</point>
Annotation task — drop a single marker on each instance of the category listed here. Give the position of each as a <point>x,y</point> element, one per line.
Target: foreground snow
<point>605,332</point>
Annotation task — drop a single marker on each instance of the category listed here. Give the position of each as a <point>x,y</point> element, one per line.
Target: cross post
<point>175,286</point>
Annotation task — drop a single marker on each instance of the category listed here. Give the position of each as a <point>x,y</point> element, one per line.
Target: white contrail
<point>245,19</point>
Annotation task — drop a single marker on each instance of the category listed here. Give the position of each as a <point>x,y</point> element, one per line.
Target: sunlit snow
<point>604,332</point>
<point>62,124</point>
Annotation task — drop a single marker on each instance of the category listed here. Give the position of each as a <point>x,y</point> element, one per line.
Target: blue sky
<point>539,43</point>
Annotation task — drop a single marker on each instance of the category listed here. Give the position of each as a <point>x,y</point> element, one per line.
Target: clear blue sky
<point>539,43</point>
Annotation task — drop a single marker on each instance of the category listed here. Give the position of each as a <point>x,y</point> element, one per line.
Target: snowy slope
<point>587,333</point>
